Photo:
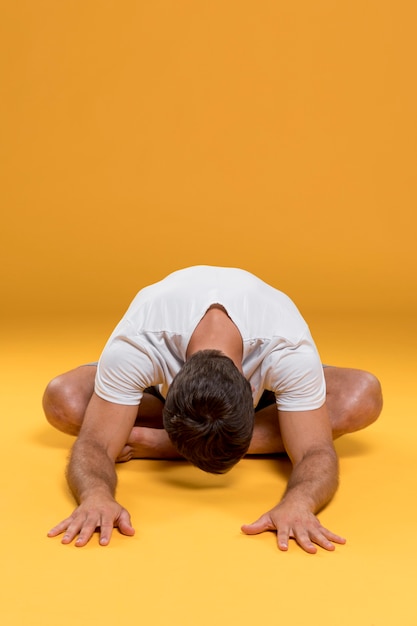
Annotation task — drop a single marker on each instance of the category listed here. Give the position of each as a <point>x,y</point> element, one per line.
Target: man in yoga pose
<point>209,364</point>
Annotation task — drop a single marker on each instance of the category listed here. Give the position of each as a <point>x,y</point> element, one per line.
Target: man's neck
<point>216,331</point>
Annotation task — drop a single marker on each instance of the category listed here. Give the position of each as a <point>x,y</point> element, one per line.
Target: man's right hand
<point>94,514</point>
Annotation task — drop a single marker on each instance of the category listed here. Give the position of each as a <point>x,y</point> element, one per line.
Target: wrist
<point>294,498</point>
<point>96,493</point>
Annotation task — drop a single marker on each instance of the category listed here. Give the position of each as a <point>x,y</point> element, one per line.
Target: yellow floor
<point>189,564</point>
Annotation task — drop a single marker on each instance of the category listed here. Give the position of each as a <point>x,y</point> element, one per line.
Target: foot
<point>148,443</point>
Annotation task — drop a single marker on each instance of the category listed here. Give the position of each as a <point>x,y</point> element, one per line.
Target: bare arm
<point>307,438</point>
<point>90,470</point>
<point>313,482</point>
<point>92,476</point>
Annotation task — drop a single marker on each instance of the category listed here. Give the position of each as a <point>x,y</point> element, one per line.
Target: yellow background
<point>141,137</point>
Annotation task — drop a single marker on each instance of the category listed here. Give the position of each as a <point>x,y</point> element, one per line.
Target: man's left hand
<point>297,523</point>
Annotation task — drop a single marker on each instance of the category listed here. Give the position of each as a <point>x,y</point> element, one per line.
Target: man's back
<point>149,345</point>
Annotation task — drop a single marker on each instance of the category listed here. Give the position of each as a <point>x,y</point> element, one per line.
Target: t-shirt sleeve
<point>124,371</point>
<point>295,375</point>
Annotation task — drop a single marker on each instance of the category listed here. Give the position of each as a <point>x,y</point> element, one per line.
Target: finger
<point>283,536</point>
<point>71,529</point>
<point>106,530</point>
<point>332,537</point>
<point>321,540</point>
<point>59,528</point>
<point>71,532</point>
<point>85,531</point>
<point>325,538</point>
<point>304,541</point>
<point>125,454</point>
<point>319,536</point>
<point>261,525</point>
<point>124,524</point>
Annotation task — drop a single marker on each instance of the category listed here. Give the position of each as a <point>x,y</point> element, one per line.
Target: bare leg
<point>65,401</point>
<point>66,398</point>
<point>148,443</point>
<point>354,401</point>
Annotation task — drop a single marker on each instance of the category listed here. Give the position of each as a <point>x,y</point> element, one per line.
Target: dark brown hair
<point>209,413</point>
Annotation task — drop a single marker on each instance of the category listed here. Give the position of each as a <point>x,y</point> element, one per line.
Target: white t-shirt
<point>148,347</point>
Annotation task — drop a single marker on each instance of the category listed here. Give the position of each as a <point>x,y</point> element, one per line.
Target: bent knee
<point>62,407</point>
<point>371,396</point>
<point>365,403</point>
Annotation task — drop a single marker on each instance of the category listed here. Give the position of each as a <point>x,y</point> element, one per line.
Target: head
<point>209,413</point>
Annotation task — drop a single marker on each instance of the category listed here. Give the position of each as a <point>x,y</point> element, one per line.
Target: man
<point>209,364</point>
